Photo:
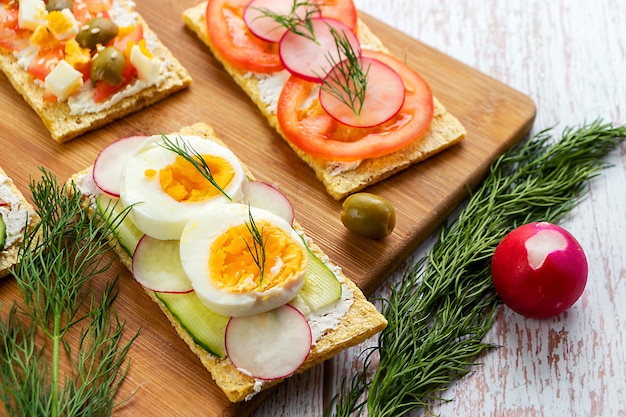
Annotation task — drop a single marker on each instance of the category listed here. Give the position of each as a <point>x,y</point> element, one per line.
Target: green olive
<point>97,31</point>
<point>58,5</point>
<point>368,215</point>
<point>108,65</point>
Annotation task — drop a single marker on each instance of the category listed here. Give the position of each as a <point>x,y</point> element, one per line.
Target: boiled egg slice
<point>165,190</point>
<point>221,259</point>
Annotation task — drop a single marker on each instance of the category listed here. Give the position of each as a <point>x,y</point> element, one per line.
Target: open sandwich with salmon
<point>16,215</point>
<point>352,111</point>
<point>81,64</point>
<point>221,254</point>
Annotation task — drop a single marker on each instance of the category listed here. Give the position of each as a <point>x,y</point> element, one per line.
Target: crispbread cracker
<point>445,129</point>
<point>56,116</point>
<point>9,256</point>
<point>360,322</point>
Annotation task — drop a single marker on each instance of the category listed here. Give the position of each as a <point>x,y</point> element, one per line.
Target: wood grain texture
<point>569,57</point>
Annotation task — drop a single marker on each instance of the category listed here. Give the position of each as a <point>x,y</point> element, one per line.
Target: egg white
<point>156,213</point>
<point>195,250</point>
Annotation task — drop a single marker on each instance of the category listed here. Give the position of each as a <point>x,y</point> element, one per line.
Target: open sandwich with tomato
<point>81,64</point>
<point>221,254</point>
<point>16,214</point>
<point>352,111</point>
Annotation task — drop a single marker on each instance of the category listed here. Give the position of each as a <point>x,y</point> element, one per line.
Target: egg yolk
<point>232,266</point>
<point>183,182</point>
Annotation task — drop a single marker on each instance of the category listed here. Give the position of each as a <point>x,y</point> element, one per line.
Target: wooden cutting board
<point>168,378</point>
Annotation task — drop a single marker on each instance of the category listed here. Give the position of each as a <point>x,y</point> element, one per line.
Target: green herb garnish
<point>349,83</point>
<point>294,21</point>
<point>440,311</point>
<point>257,249</point>
<point>58,258</point>
<point>186,151</point>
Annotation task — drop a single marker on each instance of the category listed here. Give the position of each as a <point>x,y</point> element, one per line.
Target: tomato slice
<point>316,133</point>
<point>235,43</point>
<point>243,50</point>
<point>11,36</point>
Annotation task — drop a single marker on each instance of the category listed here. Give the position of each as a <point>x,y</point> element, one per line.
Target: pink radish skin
<point>308,59</point>
<point>384,95</point>
<point>265,27</point>
<point>157,266</point>
<point>539,270</point>
<point>110,162</point>
<point>270,345</point>
<point>267,197</point>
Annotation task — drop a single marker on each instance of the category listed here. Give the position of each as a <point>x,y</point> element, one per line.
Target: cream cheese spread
<point>14,214</point>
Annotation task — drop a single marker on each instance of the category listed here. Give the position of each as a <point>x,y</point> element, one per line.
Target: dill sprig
<point>440,311</point>
<point>348,81</point>
<point>294,21</point>
<point>186,151</point>
<point>58,258</point>
<point>257,249</point>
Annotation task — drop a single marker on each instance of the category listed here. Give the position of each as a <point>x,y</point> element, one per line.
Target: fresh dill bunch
<point>348,81</point>
<point>257,249</point>
<point>58,258</point>
<point>295,21</point>
<point>181,148</point>
<point>440,311</point>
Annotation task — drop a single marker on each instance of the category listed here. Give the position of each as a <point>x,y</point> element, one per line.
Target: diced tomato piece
<point>11,36</point>
<point>133,36</point>
<point>319,135</point>
<point>86,9</point>
<point>103,90</point>
<point>47,58</point>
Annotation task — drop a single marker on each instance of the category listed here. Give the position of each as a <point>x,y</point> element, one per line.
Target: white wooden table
<point>569,56</point>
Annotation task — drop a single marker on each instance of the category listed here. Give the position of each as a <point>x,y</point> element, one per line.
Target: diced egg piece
<point>32,13</point>
<point>62,24</point>
<point>221,259</point>
<point>63,80</point>
<point>147,67</point>
<point>165,190</point>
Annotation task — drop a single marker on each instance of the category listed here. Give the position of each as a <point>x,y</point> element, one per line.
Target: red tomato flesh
<point>318,134</point>
<point>237,45</point>
<point>11,36</point>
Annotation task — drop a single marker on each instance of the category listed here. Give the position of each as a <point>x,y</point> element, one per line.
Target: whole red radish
<point>539,270</point>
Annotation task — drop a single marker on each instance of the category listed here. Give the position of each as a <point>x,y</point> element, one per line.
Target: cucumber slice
<point>125,231</point>
<point>208,329</point>
<point>321,286</point>
<point>3,233</point>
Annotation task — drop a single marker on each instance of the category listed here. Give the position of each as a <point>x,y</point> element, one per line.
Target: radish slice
<point>266,27</point>
<point>384,95</point>
<point>110,162</point>
<point>312,60</point>
<point>157,266</point>
<point>267,197</point>
<point>270,345</point>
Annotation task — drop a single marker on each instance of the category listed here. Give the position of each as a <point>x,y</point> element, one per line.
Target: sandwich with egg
<point>348,108</point>
<point>81,64</point>
<point>16,214</point>
<point>224,258</point>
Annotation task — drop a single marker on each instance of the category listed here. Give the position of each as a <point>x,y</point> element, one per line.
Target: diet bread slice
<point>17,214</point>
<point>360,321</point>
<point>340,179</point>
<point>64,123</point>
